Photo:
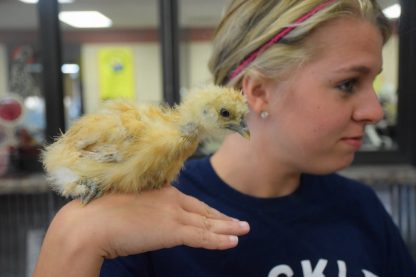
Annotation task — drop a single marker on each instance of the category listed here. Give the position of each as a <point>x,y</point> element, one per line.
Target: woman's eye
<point>347,86</point>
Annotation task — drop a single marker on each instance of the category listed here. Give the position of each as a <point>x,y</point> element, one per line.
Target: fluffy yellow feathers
<point>125,148</point>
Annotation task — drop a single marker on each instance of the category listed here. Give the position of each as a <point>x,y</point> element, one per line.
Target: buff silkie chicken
<point>128,148</point>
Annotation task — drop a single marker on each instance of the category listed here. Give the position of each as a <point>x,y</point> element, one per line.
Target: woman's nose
<point>368,108</point>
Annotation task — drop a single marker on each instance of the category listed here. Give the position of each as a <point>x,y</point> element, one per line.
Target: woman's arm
<point>80,237</point>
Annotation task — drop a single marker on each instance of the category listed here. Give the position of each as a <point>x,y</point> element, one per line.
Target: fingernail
<point>234,239</point>
<point>244,224</point>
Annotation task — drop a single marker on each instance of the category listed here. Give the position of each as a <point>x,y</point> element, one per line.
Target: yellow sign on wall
<point>116,73</point>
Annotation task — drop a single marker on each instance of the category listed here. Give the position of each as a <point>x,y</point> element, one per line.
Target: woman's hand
<point>80,237</point>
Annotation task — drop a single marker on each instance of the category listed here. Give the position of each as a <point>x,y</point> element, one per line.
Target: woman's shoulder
<point>195,174</point>
<point>196,168</point>
<point>343,184</point>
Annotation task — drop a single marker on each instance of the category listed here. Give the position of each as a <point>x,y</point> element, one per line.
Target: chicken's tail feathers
<point>43,156</point>
<point>64,181</point>
<point>53,139</point>
<point>68,184</point>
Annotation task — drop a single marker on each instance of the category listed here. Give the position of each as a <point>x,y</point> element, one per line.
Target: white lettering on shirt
<point>368,273</point>
<point>281,269</point>
<point>342,269</point>
<point>317,271</point>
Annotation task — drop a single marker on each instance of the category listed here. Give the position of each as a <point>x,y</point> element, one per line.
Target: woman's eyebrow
<point>357,69</point>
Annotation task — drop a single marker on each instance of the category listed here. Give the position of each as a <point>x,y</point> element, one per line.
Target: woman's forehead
<point>347,44</point>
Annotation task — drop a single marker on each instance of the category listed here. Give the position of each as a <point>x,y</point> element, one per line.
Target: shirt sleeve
<point>399,261</point>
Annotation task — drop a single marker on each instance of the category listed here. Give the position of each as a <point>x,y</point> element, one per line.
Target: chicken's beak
<point>240,128</point>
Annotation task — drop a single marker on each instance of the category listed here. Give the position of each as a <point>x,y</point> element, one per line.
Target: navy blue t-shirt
<point>330,226</point>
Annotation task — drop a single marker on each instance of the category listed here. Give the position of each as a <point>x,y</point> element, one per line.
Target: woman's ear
<point>256,93</point>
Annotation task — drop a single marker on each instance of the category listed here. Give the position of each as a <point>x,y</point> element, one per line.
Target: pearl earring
<point>264,114</point>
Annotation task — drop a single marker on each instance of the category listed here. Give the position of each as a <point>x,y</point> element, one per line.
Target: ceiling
<point>124,13</point>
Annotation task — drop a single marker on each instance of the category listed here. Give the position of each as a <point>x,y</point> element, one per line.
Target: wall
<point>390,61</point>
<point>199,54</point>
<point>147,72</point>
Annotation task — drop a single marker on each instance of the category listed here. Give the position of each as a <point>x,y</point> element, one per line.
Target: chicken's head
<point>218,108</point>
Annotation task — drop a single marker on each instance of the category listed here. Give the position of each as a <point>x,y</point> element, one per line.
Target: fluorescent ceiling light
<point>393,11</point>
<point>70,68</point>
<point>35,1</point>
<point>85,19</point>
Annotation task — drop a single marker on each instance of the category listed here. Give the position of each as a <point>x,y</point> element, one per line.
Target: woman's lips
<point>355,142</point>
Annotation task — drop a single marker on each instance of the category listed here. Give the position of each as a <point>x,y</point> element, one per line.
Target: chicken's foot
<point>91,191</point>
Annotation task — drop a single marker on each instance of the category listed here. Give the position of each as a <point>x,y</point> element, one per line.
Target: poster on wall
<point>116,73</point>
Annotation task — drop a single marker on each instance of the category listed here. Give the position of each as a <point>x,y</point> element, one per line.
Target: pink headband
<point>253,55</point>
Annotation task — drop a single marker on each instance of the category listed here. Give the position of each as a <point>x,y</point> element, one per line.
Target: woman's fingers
<point>199,225</point>
<point>203,226</point>
<point>194,205</point>
<point>218,226</point>
<point>202,238</point>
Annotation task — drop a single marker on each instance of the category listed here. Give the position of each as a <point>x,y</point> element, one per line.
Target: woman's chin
<point>330,166</point>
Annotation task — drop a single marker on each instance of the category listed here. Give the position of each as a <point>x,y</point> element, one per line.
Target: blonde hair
<point>249,24</point>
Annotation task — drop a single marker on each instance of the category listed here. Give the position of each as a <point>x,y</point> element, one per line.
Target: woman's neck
<point>248,170</point>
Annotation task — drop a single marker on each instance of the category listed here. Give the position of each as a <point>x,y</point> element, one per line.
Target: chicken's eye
<point>224,112</point>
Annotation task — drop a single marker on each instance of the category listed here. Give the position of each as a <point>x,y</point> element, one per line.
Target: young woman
<point>307,70</point>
